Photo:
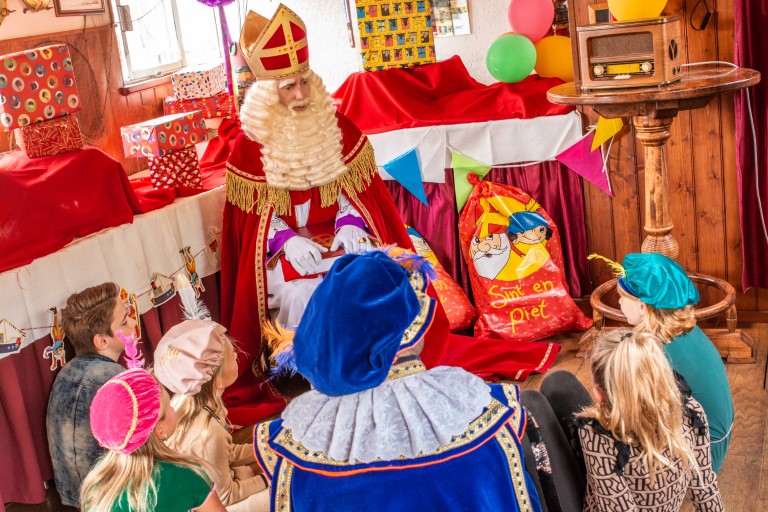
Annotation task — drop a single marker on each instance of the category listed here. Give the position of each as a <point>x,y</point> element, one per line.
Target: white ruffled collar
<point>414,412</point>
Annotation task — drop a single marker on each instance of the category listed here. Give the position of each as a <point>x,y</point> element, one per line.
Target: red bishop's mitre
<point>275,48</point>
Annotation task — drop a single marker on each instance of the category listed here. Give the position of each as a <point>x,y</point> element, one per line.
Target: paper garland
<point>586,163</point>
<point>406,169</point>
<point>462,167</point>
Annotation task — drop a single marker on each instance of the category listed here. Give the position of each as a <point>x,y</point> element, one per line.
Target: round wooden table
<point>653,109</point>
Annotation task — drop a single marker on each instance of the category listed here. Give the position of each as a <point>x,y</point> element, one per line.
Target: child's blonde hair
<point>643,405</point>
<point>189,407</point>
<point>667,324</point>
<point>134,474</point>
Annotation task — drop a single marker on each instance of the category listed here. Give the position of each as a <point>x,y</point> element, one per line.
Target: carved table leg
<point>653,133</point>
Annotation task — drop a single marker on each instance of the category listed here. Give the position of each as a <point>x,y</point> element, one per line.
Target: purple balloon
<point>216,3</point>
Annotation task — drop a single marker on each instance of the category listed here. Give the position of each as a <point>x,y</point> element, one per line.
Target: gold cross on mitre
<point>275,48</point>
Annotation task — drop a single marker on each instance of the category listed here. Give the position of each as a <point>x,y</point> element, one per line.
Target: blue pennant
<point>406,169</point>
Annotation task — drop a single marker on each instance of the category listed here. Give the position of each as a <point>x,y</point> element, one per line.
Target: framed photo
<point>79,7</point>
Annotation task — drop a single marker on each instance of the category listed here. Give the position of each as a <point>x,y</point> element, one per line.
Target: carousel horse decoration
<point>56,351</point>
<point>191,268</point>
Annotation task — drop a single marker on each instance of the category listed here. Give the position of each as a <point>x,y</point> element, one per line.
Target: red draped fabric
<point>558,190</point>
<point>25,383</point>
<point>440,93</point>
<point>751,47</point>
<point>48,202</point>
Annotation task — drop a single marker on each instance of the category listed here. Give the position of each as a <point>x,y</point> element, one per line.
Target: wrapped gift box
<point>163,135</point>
<point>177,169</point>
<point>220,105</point>
<point>37,85</point>
<point>199,81</point>
<point>60,135</point>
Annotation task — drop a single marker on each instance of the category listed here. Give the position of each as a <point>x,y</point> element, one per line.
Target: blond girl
<point>644,445</point>
<point>196,361</point>
<point>131,416</point>
<point>657,297</point>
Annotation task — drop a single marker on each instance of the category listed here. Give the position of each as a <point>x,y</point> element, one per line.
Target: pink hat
<point>189,354</point>
<point>125,410</point>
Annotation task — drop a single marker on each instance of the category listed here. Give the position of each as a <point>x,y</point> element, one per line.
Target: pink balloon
<point>531,18</point>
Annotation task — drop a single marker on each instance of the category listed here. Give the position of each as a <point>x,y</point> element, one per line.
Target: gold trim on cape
<point>268,457</point>
<point>476,429</point>
<point>252,194</point>
<point>506,439</point>
<point>283,487</point>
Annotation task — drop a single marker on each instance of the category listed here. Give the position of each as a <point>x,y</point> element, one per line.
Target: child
<point>196,361</point>
<point>642,450</point>
<point>132,417</point>
<point>92,321</point>
<point>657,296</point>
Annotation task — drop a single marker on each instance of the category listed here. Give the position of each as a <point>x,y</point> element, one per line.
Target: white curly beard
<point>300,150</point>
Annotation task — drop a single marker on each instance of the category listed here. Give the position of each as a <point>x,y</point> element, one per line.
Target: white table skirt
<point>127,254</point>
<point>502,142</point>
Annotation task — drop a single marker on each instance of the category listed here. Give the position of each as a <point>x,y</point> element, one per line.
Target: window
<point>157,37</point>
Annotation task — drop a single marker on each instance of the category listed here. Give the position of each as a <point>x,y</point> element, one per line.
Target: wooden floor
<point>744,476</point>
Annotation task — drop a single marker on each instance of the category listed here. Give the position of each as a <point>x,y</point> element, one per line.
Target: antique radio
<point>638,53</point>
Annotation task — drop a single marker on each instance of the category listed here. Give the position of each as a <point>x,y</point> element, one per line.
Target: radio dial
<point>646,67</point>
<point>598,70</point>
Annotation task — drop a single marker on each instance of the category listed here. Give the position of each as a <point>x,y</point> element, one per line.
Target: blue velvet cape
<point>480,470</point>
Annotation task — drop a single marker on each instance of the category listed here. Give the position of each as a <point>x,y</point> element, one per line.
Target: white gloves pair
<point>305,255</point>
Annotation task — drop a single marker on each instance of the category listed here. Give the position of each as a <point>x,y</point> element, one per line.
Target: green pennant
<point>462,167</point>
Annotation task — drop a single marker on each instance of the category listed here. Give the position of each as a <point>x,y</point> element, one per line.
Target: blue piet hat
<point>520,222</point>
<point>368,308</point>
<point>654,279</point>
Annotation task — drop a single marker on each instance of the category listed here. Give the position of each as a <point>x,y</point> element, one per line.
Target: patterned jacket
<point>617,479</point>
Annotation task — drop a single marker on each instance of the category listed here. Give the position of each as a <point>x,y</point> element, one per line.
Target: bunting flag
<point>406,169</point>
<point>586,163</point>
<point>606,128</point>
<point>462,167</point>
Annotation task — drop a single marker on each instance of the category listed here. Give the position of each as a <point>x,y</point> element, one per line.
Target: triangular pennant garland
<point>406,169</point>
<point>462,167</point>
<point>606,128</point>
<point>586,163</point>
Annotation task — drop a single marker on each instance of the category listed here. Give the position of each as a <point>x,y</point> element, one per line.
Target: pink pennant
<point>586,163</point>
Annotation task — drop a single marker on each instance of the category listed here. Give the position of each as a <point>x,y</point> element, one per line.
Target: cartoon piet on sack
<point>515,263</point>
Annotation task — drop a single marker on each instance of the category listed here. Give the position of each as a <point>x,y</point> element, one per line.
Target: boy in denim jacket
<point>91,321</point>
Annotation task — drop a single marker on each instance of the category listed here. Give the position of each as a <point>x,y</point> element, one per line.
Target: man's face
<point>489,254</point>
<point>294,93</point>
<point>480,245</point>
<point>532,236</point>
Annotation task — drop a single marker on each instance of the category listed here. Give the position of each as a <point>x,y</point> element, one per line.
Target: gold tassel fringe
<point>247,194</point>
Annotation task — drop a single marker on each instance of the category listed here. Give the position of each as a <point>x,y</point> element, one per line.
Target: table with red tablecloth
<point>68,222</point>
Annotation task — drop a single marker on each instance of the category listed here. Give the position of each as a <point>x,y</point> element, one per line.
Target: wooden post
<point>653,133</point>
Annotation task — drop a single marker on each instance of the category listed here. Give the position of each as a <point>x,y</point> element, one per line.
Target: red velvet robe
<point>243,253</point>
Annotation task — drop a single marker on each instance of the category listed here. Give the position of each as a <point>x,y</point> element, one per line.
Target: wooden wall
<point>96,62</point>
<point>701,163</point>
<point>700,153</point>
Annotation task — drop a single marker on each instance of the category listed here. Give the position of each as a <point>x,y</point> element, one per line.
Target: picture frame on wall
<point>79,7</point>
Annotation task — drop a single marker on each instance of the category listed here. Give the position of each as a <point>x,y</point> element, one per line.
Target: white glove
<point>303,254</point>
<point>353,238</point>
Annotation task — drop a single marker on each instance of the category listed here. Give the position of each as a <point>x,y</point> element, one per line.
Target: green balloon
<point>511,58</point>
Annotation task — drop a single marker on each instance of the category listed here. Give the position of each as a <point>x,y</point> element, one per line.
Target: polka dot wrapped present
<point>37,85</point>
<point>163,135</point>
<point>201,81</point>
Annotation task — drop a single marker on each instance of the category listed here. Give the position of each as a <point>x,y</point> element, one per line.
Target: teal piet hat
<point>654,279</point>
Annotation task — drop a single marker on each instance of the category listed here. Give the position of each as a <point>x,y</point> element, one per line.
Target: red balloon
<point>531,18</point>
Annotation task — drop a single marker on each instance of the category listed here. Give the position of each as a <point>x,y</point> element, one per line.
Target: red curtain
<point>557,189</point>
<point>25,383</point>
<point>751,48</point>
